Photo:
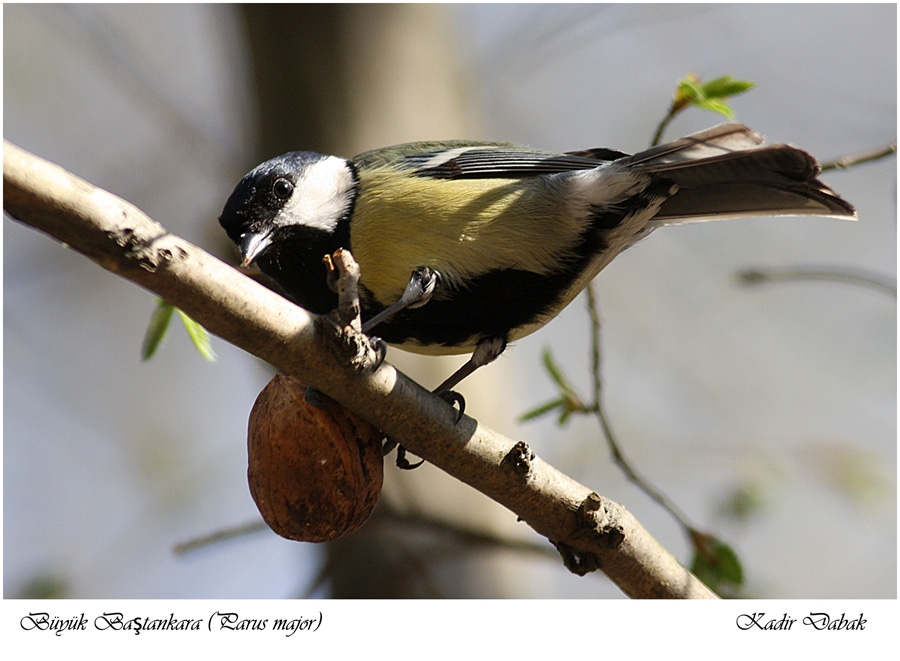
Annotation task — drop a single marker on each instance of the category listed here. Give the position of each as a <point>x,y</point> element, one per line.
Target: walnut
<point>315,473</point>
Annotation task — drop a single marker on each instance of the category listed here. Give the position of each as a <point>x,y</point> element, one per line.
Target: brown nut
<point>315,473</point>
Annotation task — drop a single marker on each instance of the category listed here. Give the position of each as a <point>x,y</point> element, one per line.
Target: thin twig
<point>850,160</point>
<point>757,276</point>
<point>597,408</point>
<point>183,548</point>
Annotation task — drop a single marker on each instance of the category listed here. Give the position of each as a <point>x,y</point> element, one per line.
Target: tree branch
<point>589,531</point>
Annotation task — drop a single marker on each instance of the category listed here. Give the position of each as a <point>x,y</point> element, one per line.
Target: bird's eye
<point>282,188</point>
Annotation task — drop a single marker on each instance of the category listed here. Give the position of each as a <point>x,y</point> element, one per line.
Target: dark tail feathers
<point>727,171</point>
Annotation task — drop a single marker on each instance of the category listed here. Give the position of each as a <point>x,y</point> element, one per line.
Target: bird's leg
<point>486,351</point>
<point>418,292</point>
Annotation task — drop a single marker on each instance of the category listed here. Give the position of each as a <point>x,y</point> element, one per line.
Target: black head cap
<point>260,196</point>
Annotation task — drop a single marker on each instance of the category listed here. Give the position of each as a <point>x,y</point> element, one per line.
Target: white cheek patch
<point>321,196</point>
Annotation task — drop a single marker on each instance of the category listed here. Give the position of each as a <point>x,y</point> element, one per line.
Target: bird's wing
<point>480,160</point>
<point>495,162</point>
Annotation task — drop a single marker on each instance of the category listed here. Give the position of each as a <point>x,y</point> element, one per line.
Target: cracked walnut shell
<point>315,473</point>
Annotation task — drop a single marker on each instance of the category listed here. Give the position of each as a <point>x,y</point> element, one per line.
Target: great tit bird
<point>466,246</point>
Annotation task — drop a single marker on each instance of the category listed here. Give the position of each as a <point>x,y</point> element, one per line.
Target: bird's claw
<point>380,348</point>
<point>453,398</point>
<point>403,462</point>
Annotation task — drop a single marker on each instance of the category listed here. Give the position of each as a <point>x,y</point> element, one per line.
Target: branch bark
<point>590,532</point>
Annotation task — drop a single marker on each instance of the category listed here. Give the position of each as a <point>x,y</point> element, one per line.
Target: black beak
<point>253,245</point>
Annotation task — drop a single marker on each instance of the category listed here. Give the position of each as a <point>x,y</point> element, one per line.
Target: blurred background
<point>767,414</point>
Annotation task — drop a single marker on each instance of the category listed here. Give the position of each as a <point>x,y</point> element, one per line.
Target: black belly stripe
<point>491,305</point>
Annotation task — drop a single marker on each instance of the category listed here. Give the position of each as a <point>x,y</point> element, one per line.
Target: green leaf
<point>554,370</point>
<point>156,330</point>
<point>715,562</point>
<point>556,373</point>
<point>159,326</point>
<point>568,401</point>
<point>725,87</point>
<point>743,502</point>
<point>199,336</point>
<point>729,565</point>
<point>715,106</point>
<point>689,88</point>
<point>711,95</point>
<point>542,409</point>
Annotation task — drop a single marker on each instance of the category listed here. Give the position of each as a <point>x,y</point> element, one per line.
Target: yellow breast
<point>461,228</point>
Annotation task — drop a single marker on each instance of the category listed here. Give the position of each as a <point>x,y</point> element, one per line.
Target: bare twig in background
<point>597,409</point>
<point>183,548</point>
<point>860,157</point>
<point>758,276</point>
